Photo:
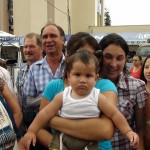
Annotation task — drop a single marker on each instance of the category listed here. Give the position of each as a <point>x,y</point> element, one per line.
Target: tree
<point>107,18</point>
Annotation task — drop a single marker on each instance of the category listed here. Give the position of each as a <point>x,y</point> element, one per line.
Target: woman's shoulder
<point>56,82</point>
<point>133,84</point>
<point>135,81</point>
<point>131,68</point>
<point>105,85</point>
<point>54,87</point>
<point>101,81</point>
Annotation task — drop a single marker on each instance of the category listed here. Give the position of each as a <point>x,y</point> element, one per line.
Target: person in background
<point>16,121</point>
<point>32,51</point>
<point>145,73</point>
<point>135,70</point>
<point>52,66</point>
<point>5,75</point>
<point>145,76</point>
<point>82,73</point>
<point>132,94</point>
<point>10,103</point>
<point>3,63</point>
<point>89,129</point>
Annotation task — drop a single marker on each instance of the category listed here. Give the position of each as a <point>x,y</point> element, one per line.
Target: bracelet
<point>128,131</point>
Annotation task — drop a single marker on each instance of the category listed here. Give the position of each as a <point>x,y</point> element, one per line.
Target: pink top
<point>135,74</point>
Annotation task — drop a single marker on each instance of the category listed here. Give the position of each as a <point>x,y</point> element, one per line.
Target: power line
<point>67,14</point>
<point>69,19</point>
<point>57,8</point>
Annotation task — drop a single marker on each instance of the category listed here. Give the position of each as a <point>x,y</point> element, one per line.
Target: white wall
<point>60,15</point>
<point>83,14</point>
<point>4,16</point>
<point>31,15</point>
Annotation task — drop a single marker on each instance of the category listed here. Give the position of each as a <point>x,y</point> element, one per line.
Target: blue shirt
<point>28,113</point>
<point>58,84</point>
<point>39,75</point>
<point>21,77</point>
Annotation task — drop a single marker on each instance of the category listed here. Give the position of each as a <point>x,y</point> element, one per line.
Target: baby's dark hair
<point>84,56</point>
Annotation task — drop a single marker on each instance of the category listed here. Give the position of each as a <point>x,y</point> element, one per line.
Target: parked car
<point>144,49</point>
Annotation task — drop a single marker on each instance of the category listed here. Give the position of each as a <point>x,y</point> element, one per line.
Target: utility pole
<point>69,19</point>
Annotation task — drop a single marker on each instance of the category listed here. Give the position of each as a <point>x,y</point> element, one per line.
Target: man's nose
<point>49,38</point>
<point>28,48</point>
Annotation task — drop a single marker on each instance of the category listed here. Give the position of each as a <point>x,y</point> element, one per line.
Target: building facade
<point>23,16</point>
<point>4,15</point>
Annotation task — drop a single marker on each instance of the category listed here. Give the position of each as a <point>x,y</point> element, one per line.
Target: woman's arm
<point>147,124</point>
<point>89,129</point>
<point>46,114</point>
<point>44,136</point>
<point>41,120</point>
<point>13,104</point>
<point>44,102</point>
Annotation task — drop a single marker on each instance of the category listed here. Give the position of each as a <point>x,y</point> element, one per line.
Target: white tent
<point>7,39</point>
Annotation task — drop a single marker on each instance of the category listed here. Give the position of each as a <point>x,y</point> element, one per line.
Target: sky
<point>129,12</point>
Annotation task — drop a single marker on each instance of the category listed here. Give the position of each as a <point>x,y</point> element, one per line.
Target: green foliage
<point>107,18</point>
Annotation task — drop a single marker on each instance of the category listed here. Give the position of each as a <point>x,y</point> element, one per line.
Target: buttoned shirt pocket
<point>126,107</point>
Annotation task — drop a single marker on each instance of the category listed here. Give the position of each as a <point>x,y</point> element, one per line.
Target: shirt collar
<point>122,82</point>
<point>44,62</point>
<point>24,67</point>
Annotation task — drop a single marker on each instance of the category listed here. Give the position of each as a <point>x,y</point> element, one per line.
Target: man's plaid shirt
<point>39,75</point>
<point>28,113</point>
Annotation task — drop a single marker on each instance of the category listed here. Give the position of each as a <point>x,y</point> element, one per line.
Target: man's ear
<point>63,39</point>
<point>41,49</point>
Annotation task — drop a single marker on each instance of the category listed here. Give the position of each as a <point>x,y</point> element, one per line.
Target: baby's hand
<point>134,139</point>
<point>27,139</point>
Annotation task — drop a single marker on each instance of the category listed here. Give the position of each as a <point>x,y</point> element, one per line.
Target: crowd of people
<point>76,97</point>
